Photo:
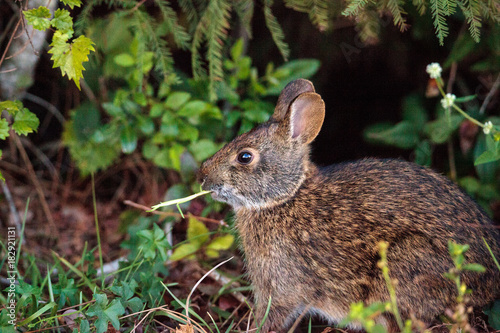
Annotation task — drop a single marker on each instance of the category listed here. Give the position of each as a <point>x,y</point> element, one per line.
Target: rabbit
<point>310,235</point>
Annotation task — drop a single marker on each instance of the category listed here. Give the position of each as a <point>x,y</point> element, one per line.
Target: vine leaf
<point>62,21</point>
<point>4,129</point>
<point>69,57</point>
<point>38,17</point>
<point>72,3</point>
<point>25,122</point>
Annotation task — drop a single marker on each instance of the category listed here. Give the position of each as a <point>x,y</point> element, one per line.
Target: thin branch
<point>451,150</point>
<point>36,183</point>
<point>198,283</point>
<point>12,207</point>
<point>165,214</point>
<point>49,106</point>
<point>10,41</point>
<point>492,92</point>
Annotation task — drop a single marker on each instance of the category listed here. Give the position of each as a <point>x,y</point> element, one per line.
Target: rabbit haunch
<point>310,234</point>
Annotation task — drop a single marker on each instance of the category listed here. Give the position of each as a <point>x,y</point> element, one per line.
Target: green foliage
<point>493,312</point>
<point>475,11</point>
<point>154,241</point>
<point>417,132</point>
<point>198,237</point>
<point>67,55</point>
<point>38,17</point>
<point>22,121</point>
<point>106,312</point>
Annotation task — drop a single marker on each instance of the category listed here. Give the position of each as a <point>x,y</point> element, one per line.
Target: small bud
<point>448,100</point>
<point>434,70</point>
<point>488,126</point>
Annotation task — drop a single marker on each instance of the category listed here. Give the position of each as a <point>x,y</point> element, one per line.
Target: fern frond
<point>244,10</point>
<point>181,37</point>
<point>421,6</point>
<point>189,8</point>
<point>396,9</point>
<point>354,7</point>
<point>275,29</point>
<point>147,30</point>
<point>316,9</point>
<point>369,26</point>
<point>490,10</point>
<point>438,15</point>
<point>471,10</point>
<point>212,28</point>
<point>217,34</point>
<point>449,7</point>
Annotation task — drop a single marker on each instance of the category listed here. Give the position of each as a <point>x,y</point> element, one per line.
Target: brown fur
<point>310,235</point>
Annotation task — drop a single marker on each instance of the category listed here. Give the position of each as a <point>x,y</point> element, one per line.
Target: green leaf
<point>183,251</point>
<point>124,60</point>
<point>237,49</point>
<point>149,149</point>
<point>197,232</point>
<point>69,57</point>
<point>25,122</point>
<point>487,156</point>
<point>38,17</point>
<point>67,290</point>
<point>72,3</point>
<point>4,129</point>
<point>12,107</point>
<point>154,241</point>
<point>423,153</point>
<point>295,69</point>
<point>157,110</point>
<point>174,153</point>
<point>440,130</point>
<point>221,242</point>
<point>105,313</point>
<point>402,135</point>
<point>203,149</point>
<point>474,267</point>
<point>470,184</point>
<point>193,108</point>
<point>465,99</point>
<point>414,111</point>
<point>128,139</point>
<point>62,21</point>
<point>176,99</point>
<point>487,172</point>
<point>493,312</point>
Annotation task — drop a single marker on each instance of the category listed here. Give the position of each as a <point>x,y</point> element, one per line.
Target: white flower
<point>434,70</point>
<point>488,126</point>
<point>448,100</point>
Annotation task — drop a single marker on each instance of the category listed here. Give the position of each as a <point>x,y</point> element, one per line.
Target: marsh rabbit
<point>310,234</point>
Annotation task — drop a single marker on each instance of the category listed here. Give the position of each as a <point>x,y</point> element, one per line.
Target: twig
<point>36,183</point>
<point>10,40</point>
<point>12,207</point>
<point>201,218</point>
<point>490,95</point>
<point>198,283</point>
<point>451,150</point>
<point>50,107</point>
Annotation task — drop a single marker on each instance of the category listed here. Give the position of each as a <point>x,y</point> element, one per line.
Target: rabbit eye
<point>245,157</point>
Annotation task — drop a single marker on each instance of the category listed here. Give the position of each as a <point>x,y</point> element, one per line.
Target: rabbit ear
<point>288,94</point>
<point>307,113</point>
